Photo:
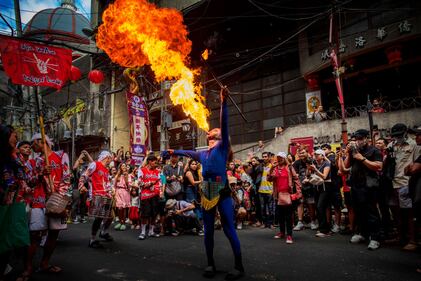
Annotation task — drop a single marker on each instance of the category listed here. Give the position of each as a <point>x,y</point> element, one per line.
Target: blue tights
<point>226,210</point>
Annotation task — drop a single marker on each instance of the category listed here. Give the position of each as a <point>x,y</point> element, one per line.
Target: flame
<point>135,33</point>
<point>205,54</point>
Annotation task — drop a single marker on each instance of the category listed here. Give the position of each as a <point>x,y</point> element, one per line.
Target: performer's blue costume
<point>215,192</point>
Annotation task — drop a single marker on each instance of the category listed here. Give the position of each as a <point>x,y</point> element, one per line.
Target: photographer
<point>182,213</point>
<point>308,190</point>
<point>365,162</point>
<point>78,211</point>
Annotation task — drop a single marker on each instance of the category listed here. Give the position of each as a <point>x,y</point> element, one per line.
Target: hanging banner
<point>313,101</point>
<point>296,142</point>
<point>139,127</point>
<point>33,64</point>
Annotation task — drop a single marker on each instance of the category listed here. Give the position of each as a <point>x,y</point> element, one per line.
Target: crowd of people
<point>369,191</point>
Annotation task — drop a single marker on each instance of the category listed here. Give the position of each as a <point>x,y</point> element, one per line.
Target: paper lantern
<point>312,82</point>
<point>394,54</point>
<point>96,76</point>
<point>75,73</point>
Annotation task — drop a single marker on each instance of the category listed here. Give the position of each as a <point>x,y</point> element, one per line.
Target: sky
<point>30,7</point>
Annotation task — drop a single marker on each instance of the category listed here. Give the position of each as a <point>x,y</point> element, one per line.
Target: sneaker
<point>123,227</point>
<point>335,228</point>
<point>209,272</point>
<point>175,233</point>
<point>117,226</point>
<point>373,245</point>
<point>106,237</point>
<point>279,235</point>
<point>132,227</point>
<point>289,240</point>
<point>299,226</point>
<point>94,244</point>
<point>410,247</point>
<point>83,220</point>
<point>141,236</point>
<point>155,235</point>
<point>356,238</point>
<point>76,221</point>
<point>137,227</point>
<point>314,225</point>
<point>321,234</point>
<point>240,226</point>
<point>201,233</point>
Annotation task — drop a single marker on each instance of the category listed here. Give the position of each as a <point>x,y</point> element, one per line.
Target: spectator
<point>406,152</point>
<point>182,213</point>
<point>256,176</point>
<point>174,176</point>
<point>319,115</point>
<point>278,131</point>
<point>150,185</point>
<point>377,107</point>
<point>265,192</point>
<point>322,169</point>
<point>134,208</point>
<point>281,177</point>
<point>191,185</point>
<point>334,192</point>
<point>78,211</point>
<point>308,190</point>
<point>123,182</point>
<point>12,187</point>
<point>365,162</point>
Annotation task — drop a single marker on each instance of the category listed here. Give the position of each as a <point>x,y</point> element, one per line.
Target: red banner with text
<point>33,64</point>
<point>139,127</point>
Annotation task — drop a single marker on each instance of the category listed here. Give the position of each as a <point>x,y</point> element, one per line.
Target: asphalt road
<point>265,258</point>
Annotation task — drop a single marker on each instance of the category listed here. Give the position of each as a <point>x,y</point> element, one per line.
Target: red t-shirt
<point>58,172</point>
<point>281,179</point>
<point>150,176</point>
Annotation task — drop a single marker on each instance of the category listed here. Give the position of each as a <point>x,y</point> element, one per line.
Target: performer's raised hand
<point>223,93</point>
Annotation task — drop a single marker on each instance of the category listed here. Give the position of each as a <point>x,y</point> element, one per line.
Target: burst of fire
<point>135,33</point>
<point>205,54</point>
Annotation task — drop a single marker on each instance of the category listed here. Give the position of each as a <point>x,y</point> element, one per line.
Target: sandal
<point>50,269</point>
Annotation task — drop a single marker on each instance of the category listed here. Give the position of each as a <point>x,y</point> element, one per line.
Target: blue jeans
<point>191,196</point>
<point>268,208</point>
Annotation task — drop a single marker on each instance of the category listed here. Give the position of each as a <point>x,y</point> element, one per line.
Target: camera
<point>353,148</point>
<point>309,161</point>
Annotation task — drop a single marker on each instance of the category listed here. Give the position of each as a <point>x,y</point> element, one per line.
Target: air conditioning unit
<point>67,134</point>
<point>79,132</point>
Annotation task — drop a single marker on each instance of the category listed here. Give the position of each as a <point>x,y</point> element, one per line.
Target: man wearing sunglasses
<point>216,192</point>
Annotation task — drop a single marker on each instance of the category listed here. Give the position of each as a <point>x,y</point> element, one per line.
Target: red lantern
<point>75,73</point>
<point>96,76</point>
<point>394,54</point>
<point>312,82</point>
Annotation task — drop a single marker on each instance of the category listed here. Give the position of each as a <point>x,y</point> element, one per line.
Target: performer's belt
<point>210,193</point>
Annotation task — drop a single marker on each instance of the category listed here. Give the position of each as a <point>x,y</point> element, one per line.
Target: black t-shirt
<point>333,168</point>
<point>300,168</point>
<point>359,172</point>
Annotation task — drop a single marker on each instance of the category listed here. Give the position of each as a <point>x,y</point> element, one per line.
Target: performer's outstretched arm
<point>188,153</point>
<point>224,119</point>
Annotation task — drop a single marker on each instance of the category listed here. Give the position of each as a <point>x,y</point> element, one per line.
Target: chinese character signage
<point>139,127</point>
<point>32,64</point>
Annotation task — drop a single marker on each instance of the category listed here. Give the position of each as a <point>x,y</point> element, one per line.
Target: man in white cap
<point>54,177</point>
<point>101,193</point>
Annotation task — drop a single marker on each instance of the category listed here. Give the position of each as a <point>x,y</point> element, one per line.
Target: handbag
<point>284,199</point>
<point>174,187</point>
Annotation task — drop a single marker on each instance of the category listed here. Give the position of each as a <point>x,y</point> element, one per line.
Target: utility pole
<point>18,18</point>
<point>164,118</point>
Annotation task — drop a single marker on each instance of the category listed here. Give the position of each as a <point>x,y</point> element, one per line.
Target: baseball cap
<point>282,154</point>
<point>320,152</point>
<point>361,133</point>
<point>416,130</point>
<point>170,203</point>
<point>398,129</point>
<point>38,136</point>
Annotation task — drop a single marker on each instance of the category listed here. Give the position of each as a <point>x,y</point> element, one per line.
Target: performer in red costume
<point>100,196</point>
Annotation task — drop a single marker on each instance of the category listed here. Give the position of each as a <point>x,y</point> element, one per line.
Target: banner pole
<point>44,143</point>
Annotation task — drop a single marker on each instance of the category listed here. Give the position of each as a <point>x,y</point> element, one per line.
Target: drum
<point>56,203</point>
<point>101,207</point>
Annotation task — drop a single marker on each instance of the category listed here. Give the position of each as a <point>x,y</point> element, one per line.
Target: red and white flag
<point>33,64</point>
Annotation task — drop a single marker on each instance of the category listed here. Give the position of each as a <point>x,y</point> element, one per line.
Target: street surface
<point>265,258</point>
